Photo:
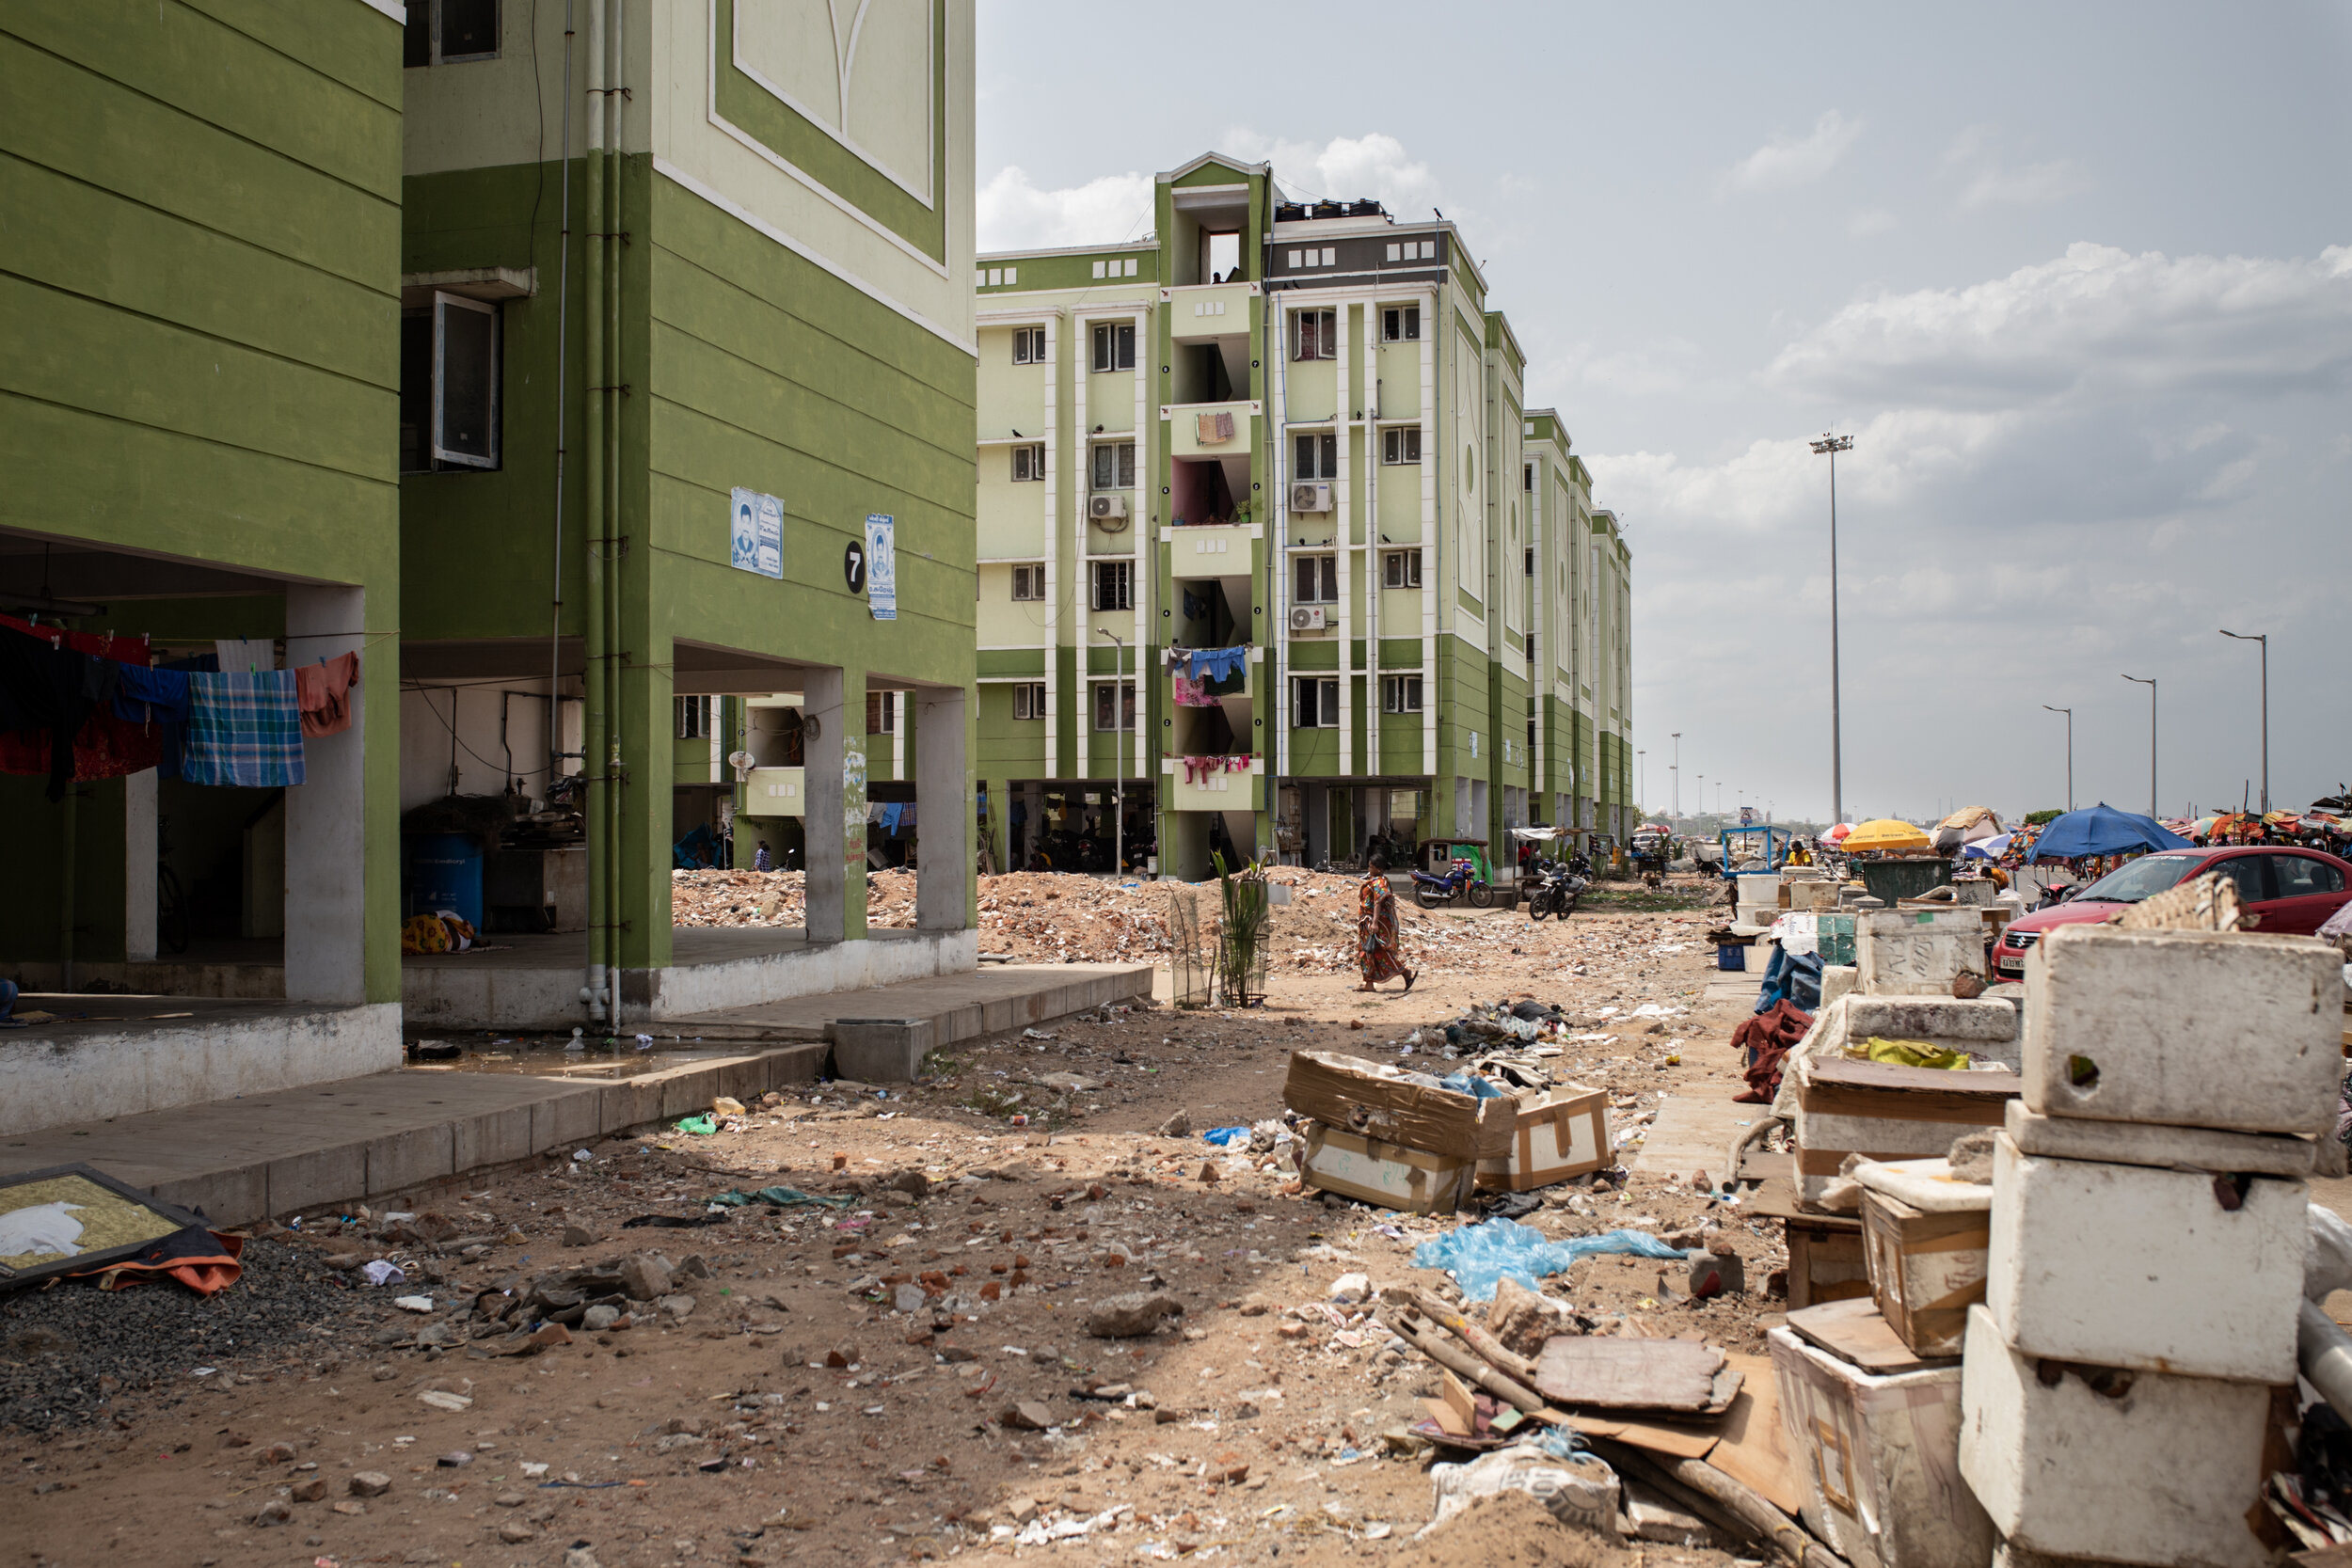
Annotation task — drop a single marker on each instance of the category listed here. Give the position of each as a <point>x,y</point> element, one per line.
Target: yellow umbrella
<point>1884,833</point>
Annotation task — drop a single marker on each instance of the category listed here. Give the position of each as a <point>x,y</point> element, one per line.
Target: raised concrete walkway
<point>388,1134</point>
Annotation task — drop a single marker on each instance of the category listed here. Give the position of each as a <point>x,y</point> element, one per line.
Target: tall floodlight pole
<point>1118,782</point>
<point>1677,771</point>
<point>1641,787</point>
<point>1830,446</point>
<point>2150,682</point>
<point>2262,638</point>
<point>2069,753</point>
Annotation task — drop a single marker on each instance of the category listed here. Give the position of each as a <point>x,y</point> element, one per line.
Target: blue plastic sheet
<point>1472,1084</point>
<point>1222,1137</point>
<point>1479,1257</point>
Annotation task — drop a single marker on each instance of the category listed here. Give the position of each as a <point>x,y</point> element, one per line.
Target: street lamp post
<point>2150,682</point>
<point>1702,795</point>
<point>2262,638</point>
<point>1640,763</point>
<point>1118,778</point>
<point>1830,446</point>
<point>2069,753</point>
<point>1677,771</point>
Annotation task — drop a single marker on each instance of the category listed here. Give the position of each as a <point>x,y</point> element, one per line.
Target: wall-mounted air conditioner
<point>1307,617</point>
<point>1311,498</point>
<point>1109,509</point>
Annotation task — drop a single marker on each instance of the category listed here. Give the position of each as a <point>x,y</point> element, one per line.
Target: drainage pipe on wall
<point>591,607</point>
<point>615,102</point>
<point>562,389</point>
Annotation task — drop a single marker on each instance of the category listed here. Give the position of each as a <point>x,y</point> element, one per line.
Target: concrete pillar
<point>139,866</point>
<point>1000,822</point>
<point>835,775</point>
<point>943,783</point>
<point>325,898</point>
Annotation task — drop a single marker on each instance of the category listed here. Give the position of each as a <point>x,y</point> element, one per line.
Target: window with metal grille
<point>1028,464</point>
<point>1400,569</point>
<point>1314,335</point>
<point>693,717</point>
<point>447,32</point>
<point>1400,324</point>
<point>1314,579</point>
<point>1115,346</point>
<point>881,713</point>
<point>1114,585</point>
<point>1400,693</point>
<point>1028,700</point>
<point>1314,703</point>
<point>1028,345</point>
<point>1318,456</point>
<point>1028,582</point>
<point>1114,704</point>
<point>1401,446</point>
<point>1115,466</point>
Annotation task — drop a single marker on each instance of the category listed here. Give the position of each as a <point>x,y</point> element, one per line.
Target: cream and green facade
<point>1296,431</point>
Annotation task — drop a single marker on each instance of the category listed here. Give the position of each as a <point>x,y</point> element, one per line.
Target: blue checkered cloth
<point>243,729</point>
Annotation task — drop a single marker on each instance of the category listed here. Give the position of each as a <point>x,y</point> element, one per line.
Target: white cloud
<point>2096,319</point>
<point>1869,221</point>
<point>1975,154</point>
<point>1788,161</point>
<point>1014,215</point>
<point>1373,164</point>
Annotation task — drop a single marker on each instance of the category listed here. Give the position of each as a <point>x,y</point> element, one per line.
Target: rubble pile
<point>778,898</point>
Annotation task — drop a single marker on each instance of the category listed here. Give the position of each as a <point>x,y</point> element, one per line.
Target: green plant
<point>1241,934</point>
<point>2036,818</point>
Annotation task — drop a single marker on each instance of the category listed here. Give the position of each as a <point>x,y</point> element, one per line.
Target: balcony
<point>1187,421</point>
<point>1227,783</point>
<point>1243,690</point>
<point>1208,311</point>
<point>774,792</point>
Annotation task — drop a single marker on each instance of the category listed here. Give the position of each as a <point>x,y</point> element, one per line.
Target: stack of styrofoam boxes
<point>1917,952</point>
<point>1758,897</point>
<point>2137,1347</point>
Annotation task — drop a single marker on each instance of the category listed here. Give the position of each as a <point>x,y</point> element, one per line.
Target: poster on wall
<point>881,565</point>
<point>756,533</point>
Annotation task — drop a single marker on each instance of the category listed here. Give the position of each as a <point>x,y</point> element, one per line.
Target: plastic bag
<point>1221,1136</point>
<point>1479,1257</point>
<point>701,1127</point>
<point>1473,1085</point>
<point>1580,1489</point>
<point>777,1197</point>
<point>1907,1053</point>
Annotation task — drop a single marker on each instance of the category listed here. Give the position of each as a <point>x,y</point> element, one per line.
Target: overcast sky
<point>2076,279</point>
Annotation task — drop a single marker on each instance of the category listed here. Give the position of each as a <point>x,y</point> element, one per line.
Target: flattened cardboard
<point>1926,1268</point>
<point>1412,1181</point>
<point>1753,1449</point>
<point>1558,1134</point>
<point>1345,1093</point>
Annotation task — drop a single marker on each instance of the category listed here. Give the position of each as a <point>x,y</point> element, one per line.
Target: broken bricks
<point>1131,1316</point>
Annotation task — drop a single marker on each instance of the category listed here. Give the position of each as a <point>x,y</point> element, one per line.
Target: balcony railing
<point>1209,429</point>
<point>1213,784</point>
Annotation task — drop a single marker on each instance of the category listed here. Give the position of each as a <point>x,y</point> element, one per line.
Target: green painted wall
<point>198,353</point>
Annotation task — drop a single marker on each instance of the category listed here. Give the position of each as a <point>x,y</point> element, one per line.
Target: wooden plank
<point>1753,1444</point>
<point>1679,1441</point>
<point>1858,1332</point>
<point>1776,1199</point>
<point>1629,1375</point>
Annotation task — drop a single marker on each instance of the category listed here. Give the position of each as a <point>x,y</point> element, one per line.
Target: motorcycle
<point>1461,880</point>
<point>1557,889</point>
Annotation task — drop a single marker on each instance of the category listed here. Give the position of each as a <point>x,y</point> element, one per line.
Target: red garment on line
<point>1768,1037</point>
<point>323,693</point>
<point>105,747</point>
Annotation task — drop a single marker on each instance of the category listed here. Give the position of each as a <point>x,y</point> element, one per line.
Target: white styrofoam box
<point>2132,1266</point>
<point>2189,1028</point>
<point>1877,1458</point>
<point>1917,952</point>
<point>1758,887</point>
<point>2139,1143</point>
<point>2155,1469</point>
<point>1838,980</point>
<point>1984,1027</point>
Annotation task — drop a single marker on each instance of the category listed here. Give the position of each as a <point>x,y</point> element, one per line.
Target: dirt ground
<point>775,1402</point>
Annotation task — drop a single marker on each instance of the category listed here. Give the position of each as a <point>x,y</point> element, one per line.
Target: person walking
<point>763,861</point>
<point>1378,951</point>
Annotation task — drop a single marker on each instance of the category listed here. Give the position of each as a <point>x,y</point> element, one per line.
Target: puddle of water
<point>550,1056</point>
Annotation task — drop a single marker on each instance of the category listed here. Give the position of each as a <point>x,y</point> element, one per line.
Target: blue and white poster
<point>756,533</point>
<point>881,565</point>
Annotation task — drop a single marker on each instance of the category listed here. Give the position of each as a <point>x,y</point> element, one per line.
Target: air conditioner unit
<point>1311,498</point>
<point>1307,617</point>
<point>1109,509</point>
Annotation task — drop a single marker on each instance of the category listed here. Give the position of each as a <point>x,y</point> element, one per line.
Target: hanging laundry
<point>244,654</point>
<point>1196,606</point>
<point>1216,429</point>
<point>123,650</point>
<point>243,729</point>
<point>1220,664</point>
<point>323,694</point>
<point>1192,693</point>
<point>47,694</point>
<point>906,815</point>
<point>890,817</point>
<point>152,696</point>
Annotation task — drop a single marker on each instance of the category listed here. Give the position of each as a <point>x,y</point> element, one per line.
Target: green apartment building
<point>1258,546</point>
<point>1578,651</point>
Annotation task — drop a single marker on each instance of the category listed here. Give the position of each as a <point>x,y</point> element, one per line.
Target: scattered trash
<point>700,1127</point>
<point>778,1198</point>
<point>441,1398</point>
<point>1578,1489</point>
<point>645,1042</point>
<point>380,1273</point>
<point>413,1304</point>
<point>1226,1136</point>
<point>581,1156</point>
<point>1479,1256</point>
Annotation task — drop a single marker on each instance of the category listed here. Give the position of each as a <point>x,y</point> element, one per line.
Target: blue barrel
<point>445,873</point>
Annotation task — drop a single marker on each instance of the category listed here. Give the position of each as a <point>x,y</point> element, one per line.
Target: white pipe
<point>2326,1351</point>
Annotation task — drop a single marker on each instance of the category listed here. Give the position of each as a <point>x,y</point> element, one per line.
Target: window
<point>1028,700</point>
<point>1531,561</point>
<point>1114,704</point>
<point>1115,267</point>
<point>1315,334</point>
<point>1400,324</point>
<point>1401,446</point>
<point>1028,463</point>
<point>1314,703</point>
<point>1115,346</point>
<point>1400,693</point>
<point>881,712</point>
<point>1311,256</point>
<point>1028,582</point>
<point>1527,478</point>
<point>693,717</point>
<point>2248,872</point>
<point>1314,579</point>
<point>449,385</point>
<point>1114,585</point>
<point>1028,345</point>
<point>1400,569</point>
<point>1318,456</point>
<point>1413,250</point>
<point>2301,876</point>
<point>445,32</point>
<point>1115,466</point>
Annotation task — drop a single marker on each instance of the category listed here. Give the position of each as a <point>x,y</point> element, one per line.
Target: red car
<point>2294,891</point>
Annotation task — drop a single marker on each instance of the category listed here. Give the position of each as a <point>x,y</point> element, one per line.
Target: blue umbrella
<point>2101,830</point>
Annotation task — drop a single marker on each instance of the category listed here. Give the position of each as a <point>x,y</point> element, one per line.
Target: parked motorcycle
<point>1461,880</point>
<point>1557,889</point>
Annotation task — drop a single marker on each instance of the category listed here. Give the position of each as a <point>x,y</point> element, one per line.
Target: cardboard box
<point>1826,1259</point>
<point>1879,1460</point>
<point>1560,1133</point>
<point>1349,1094</point>
<point>1884,1112</point>
<point>1390,1175</point>
<point>1927,1269</point>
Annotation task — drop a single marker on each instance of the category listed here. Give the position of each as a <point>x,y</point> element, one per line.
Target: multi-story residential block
<point>1256,543</point>
<point>1578,651</point>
